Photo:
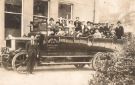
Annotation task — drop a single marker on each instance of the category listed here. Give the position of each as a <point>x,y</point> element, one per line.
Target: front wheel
<point>19,62</point>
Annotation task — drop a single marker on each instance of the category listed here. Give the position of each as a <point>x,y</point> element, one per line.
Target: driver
<point>32,50</point>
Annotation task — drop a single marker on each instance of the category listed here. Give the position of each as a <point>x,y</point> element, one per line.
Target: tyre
<point>96,61</point>
<point>102,61</point>
<point>19,62</point>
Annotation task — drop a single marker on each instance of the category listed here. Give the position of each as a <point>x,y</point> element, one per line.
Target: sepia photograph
<point>67,42</point>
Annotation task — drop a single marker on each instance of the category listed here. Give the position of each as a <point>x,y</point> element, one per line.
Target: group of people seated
<point>79,29</point>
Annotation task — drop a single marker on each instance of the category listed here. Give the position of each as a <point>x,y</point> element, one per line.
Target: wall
<point>27,12</point>
<point>111,10</point>
<point>2,29</point>
<point>81,8</point>
<point>53,9</point>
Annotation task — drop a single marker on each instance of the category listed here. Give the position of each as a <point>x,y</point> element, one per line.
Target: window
<point>12,21</point>
<point>13,6</point>
<point>13,11</point>
<point>65,11</point>
<point>41,8</point>
<point>40,11</point>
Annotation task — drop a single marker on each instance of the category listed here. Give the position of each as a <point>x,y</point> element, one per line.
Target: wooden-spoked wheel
<point>79,65</point>
<point>101,61</point>
<point>96,61</point>
<point>6,61</point>
<point>19,62</point>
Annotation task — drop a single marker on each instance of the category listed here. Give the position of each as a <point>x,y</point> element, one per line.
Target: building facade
<point>15,15</point>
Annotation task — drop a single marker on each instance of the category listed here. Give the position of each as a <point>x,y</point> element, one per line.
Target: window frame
<point>68,3</point>
<point>14,13</point>
<point>35,15</point>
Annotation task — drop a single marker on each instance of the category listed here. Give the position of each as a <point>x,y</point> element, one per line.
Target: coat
<point>119,32</point>
<point>32,51</point>
<point>78,26</point>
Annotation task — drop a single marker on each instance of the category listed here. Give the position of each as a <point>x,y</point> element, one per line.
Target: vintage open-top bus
<point>58,50</point>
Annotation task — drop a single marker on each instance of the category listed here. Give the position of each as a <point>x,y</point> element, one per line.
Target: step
<point>64,63</point>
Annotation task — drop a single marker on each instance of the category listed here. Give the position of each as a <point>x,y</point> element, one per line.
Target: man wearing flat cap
<point>119,31</point>
<point>77,25</point>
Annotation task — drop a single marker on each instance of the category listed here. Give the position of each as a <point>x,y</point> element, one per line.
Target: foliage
<point>121,70</point>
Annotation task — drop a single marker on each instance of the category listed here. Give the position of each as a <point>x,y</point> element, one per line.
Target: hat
<point>57,22</point>
<point>51,19</point>
<point>88,22</point>
<point>35,18</point>
<point>118,22</point>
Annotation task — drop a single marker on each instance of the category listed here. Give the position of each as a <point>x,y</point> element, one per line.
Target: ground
<point>48,75</point>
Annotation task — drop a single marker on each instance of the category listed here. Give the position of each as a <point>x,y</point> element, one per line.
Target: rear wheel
<point>96,61</point>
<point>102,61</point>
<point>19,62</point>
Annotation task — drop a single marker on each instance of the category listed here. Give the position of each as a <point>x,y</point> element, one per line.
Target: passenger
<point>112,30</point>
<point>83,25</point>
<point>111,27</point>
<point>97,34</point>
<point>79,34</point>
<point>50,32</point>
<point>86,30</point>
<point>96,26</point>
<point>101,28</point>
<point>66,31</point>
<point>102,34</point>
<point>71,28</point>
<point>108,35</point>
<point>106,29</point>
<point>61,33</point>
<point>119,30</point>
<point>89,25</point>
<point>51,24</point>
<point>57,27</point>
<point>77,24</point>
<point>92,30</point>
<point>62,22</point>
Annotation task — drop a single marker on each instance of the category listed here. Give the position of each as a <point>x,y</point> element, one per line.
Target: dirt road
<point>48,75</point>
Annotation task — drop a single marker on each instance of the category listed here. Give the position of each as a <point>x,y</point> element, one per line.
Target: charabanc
<point>58,50</point>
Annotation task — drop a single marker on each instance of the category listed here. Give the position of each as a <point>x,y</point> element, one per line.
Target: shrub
<point>121,71</point>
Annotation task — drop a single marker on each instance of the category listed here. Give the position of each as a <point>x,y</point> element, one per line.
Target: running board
<point>80,56</point>
<point>65,63</point>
